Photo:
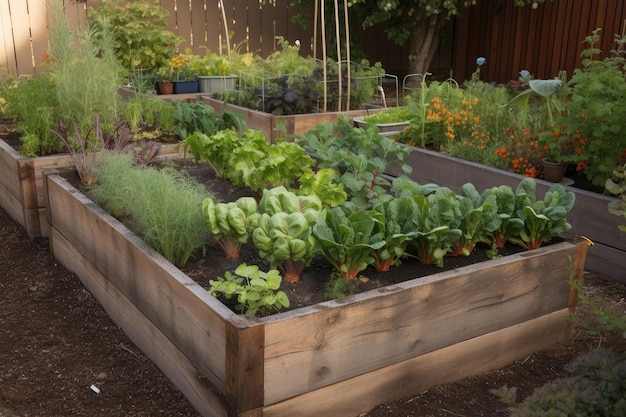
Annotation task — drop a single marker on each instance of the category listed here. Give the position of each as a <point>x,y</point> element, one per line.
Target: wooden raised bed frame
<point>589,217</point>
<point>338,358</point>
<point>269,124</point>
<point>21,186</point>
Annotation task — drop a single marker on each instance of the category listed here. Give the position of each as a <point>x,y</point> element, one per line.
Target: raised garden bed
<point>21,186</point>
<point>269,124</point>
<point>589,217</point>
<point>333,358</point>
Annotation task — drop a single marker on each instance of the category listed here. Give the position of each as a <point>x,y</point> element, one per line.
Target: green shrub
<point>142,39</point>
<point>596,388</point>
<point>146,111</point>
<point>33,101</point>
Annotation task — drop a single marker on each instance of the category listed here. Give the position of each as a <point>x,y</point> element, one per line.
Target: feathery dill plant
<point>163,205</point>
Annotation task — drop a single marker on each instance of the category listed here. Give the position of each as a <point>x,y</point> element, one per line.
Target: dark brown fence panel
<point>541,40</point>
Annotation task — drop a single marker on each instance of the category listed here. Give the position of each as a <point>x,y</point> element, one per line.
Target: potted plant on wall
<point>180,72</point>
<point>165,79</point>
<point>215,73</point>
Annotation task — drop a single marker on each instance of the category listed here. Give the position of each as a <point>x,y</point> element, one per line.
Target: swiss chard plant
<point>283,234</point>
<point>190,118</point>
<point>435,218</point>
<point>256,291</point>
<point>348,242</point>
<point>391,215</point>
<point>543,219</point>
<point>479,219</point>
<point>509,224</point>
<point>230,224</point>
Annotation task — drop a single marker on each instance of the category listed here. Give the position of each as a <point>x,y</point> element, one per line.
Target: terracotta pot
<point>553,171</point>
<point>166,87</point>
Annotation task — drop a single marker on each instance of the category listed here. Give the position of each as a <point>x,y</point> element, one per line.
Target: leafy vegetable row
<point>289,230</point>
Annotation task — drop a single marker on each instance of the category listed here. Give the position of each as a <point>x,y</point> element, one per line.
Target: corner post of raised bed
<point>45,173</point>
<point>576,277</point>
<point>245,341</point>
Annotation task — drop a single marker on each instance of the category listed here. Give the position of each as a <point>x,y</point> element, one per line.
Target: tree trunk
<point>424,45</point>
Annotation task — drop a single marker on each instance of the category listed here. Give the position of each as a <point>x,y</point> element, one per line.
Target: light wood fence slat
<point>7,53</point>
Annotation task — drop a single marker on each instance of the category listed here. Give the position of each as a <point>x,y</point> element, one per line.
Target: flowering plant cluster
<point>177,68</point>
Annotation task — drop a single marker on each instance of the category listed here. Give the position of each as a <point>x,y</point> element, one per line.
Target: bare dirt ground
<point>57,342</point>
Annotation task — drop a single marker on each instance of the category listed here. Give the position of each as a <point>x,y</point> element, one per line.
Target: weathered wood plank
<point>12,206</point>
<point>9,170</point>
<point>184,311</point>
<point>245,341</point>
<point>472,357</point>
<point>147,336</point>
<point>371,330</point>
<point>607,260</point>
<point>269,123</point>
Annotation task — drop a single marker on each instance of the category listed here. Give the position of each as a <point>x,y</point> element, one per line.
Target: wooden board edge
<point>147,337</point>
<point>472,357</point>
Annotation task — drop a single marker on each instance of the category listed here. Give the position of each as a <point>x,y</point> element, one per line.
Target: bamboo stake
<point>221,2</point>
<point>323,29</point>
<point>348,66</point>
<point>338,42</point>
<point>315,18</point>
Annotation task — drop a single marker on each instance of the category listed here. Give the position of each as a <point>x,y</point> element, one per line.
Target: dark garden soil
<point>60,354</point>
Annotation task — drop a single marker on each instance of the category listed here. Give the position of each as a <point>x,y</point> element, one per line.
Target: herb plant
<point>163,205</point>
<point>256,291</point>
<point>594,389</point>
<point>86,75</point>
<point>33,101</point>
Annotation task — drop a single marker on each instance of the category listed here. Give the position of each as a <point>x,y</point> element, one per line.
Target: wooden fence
<point>255,24</point>
<point>542,40</point>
